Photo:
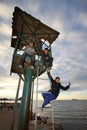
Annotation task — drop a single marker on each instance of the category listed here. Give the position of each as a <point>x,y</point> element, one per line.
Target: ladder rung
<point>43,92</point>
<point>43,79</point>
<point>45,128</point>
<point>45,107</point>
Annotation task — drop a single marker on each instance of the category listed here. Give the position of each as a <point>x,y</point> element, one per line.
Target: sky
<point>69,17</point>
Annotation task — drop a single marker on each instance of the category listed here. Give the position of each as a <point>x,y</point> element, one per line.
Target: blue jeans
<point>47,98</point>
<point>24,57</point>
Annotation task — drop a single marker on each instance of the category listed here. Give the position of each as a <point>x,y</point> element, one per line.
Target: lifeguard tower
<point>24,29</point>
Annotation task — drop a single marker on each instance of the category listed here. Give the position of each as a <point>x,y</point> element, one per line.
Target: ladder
<point>46,108</point>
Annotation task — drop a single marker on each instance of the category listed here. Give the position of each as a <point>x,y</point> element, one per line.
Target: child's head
<point>31,43</point>
<point>57,79</point>
<point>46,51</point>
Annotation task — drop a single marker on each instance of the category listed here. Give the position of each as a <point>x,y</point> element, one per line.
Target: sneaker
<point>48,105</point>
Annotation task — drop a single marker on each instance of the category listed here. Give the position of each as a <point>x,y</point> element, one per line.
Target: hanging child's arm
<point>49,75</point>
<point>67,87</point>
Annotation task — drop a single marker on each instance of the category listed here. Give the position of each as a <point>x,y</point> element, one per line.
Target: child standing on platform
<point>46,58</point>
<point>29,51</point>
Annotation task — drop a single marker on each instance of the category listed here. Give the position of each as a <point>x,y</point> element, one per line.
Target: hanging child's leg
<point>45,95</point>
<point>48,99</point>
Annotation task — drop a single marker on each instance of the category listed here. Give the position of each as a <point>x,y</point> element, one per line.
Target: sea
<point>71,114</point>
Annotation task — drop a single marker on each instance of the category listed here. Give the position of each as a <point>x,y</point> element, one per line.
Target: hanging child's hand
<point>48,72</point>
<point>69,83</point>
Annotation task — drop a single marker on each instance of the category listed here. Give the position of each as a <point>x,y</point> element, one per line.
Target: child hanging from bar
<point>29,51</point>
<point>53,93</point>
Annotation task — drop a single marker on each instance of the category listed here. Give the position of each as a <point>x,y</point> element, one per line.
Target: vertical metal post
<point>31,107</point>
<point>52,116</point>
<point>36,100</point>
<point>15,104</point>
<point>23,122</point>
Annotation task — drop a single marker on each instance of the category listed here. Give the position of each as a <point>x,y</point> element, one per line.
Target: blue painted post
<point>23,121</point>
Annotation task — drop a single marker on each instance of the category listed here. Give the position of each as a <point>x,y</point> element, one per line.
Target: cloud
<point>33,6</point>
<point>72,95</point>
<point>5,11</point>
<point>5,29</point>
<point>82,19</point>
<point>6,53</point>
<point>69,50</point>
<point>9,82</point>
<point>2,70</point>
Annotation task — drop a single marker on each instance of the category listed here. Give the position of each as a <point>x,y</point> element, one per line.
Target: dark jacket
<point>55,87</point>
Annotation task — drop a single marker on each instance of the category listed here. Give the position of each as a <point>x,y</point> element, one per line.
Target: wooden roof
<point>29,28</point>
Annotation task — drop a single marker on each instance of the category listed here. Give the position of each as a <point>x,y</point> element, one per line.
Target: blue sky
<point>69,17</point>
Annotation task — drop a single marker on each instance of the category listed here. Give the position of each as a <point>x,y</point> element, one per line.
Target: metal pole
<point>24,114</point>
<point>14,109</point>
<point>52,117</point>
<point>32,89</point>
<point>36,101</point>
